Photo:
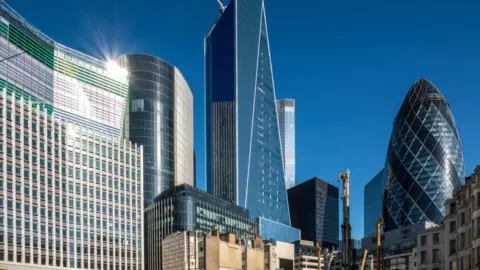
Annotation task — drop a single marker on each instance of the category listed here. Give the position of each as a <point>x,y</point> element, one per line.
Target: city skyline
<point>326,146</point>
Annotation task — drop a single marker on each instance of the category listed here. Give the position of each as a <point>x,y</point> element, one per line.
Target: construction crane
<point>346,228</point>
<point>222,7</point>
<point>364,258</point>
<point>379,226</point>
<point>319,256</point>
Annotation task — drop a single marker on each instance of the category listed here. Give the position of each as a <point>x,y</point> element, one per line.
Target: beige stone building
<point>197,251</point>
<point>462,226</point>
<point>279,255</point>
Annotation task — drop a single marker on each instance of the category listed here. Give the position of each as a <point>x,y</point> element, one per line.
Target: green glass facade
<point>68,84</point>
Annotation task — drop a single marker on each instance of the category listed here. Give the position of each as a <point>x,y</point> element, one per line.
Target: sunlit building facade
<point>70,197</point>
<point>424,159</point>
<point>160,117</point>
<point>69,84</point>
<point>286,124</point>
<point>244,160</point>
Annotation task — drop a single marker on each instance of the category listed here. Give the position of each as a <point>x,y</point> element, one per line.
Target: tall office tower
<point>373,203</point>
<point>160,117</point>
<point>424,159</point>
<point>68,84</point>
<point>70,197</point>
<point>314,210</point>
<point>244,157</point>
<point>286,122</point>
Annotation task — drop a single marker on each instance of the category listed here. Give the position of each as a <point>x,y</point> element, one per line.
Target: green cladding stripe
<point>4,30</point>
<point>13,90</point>
<point>31,46</point>
<point>90,77</point>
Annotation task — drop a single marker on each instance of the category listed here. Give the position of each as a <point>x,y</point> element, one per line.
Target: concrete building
<point>70,197</point>
<point>212,251</point>
<point>429,253</point>
<point>306,256</point>
<point>180,251</point>
<point>462,225</point>
<point>279,255</point>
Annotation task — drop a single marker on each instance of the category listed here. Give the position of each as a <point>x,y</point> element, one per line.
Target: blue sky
<point>348,64</point>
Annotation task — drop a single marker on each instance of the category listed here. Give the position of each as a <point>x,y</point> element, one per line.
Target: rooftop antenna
<point>222,7</point>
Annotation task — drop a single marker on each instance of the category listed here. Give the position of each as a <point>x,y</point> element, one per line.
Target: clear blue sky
<point>348,64</point>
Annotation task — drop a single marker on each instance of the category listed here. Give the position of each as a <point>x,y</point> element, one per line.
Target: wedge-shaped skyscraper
<point>244,155</point>
<point>424,160</point>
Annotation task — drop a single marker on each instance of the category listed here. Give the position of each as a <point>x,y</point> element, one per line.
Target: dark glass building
<point>424,159</point>
<point>160,117</point>
<point>185,208</point>
<point>320,200</point>
<point>373,203</point>
<point>244,156</point>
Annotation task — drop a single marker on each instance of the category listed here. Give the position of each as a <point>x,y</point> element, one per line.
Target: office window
<point>462,218</point>
<point>453,246</point>
<point>423,240</point>
<point>453,208</point>
<point>436,255</point>
<point>436,238</point>
<point>138,105</point>
<point>462,241</point>
<point>453,226</point>
<point>423,257</point>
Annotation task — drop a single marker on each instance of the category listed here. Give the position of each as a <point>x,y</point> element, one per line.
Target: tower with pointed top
<point>424,159</point>
<point>243,150</point>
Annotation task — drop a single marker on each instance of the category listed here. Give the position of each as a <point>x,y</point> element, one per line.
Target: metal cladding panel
<point>424,160</point>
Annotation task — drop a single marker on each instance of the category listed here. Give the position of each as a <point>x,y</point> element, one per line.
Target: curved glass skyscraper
<point>160,117</point>
<point>424,160</point>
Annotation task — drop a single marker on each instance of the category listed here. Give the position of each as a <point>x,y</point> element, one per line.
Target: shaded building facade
<point>373,203</point>
<point>319,197</point>
<point>424,159</point>
<point>160,117</point>
<point>244,160</point>
<point>286,122</point>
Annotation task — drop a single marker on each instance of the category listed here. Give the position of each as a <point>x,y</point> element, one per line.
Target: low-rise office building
<point>212,251</point>
<point>279,255</point>
<point>70,197</point>
<point>429,253</point>
<point>185,208</point>
<point>306,256</point>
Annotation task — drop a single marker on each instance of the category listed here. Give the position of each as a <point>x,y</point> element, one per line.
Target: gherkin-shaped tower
<point>424,159</point>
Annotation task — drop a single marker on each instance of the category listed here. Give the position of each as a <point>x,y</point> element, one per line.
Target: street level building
<point>160,117</point>
<point>424,159</point>
<point>69,84</point>
<point>286,124</point>
<point>429,253</point>
<point>244,161</point>
<point>212,251</point>
<point>373,203</point>
<point>462,225</point>
<point>279,255</point>
<point>306,257</point>
<point>70,197</point>
<point>185,208</point>
<point>320,200</point>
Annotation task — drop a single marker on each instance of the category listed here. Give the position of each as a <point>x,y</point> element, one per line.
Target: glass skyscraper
<point>320,200</point>
<point>160,117</point>
<point>244,157</point>
<point>286,122</point>
<point>424,159</point>
<point>373,203</point>
<point>68,84</point>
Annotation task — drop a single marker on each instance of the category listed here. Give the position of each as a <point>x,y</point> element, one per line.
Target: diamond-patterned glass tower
<point>244,155</point>
<point>424,160</point>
